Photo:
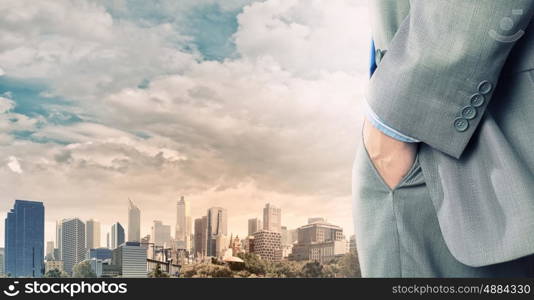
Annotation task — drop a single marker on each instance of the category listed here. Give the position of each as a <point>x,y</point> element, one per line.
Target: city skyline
<point>170,230</point>
<point>105,228</point>
<point>25,256</point>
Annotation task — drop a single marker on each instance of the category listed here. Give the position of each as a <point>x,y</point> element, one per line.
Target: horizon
<point>50,226</point>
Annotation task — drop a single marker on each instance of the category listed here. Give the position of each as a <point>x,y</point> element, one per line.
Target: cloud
<point>79,49</point>
<point>255,120</point>
<point>2,72</point>
<point>12,123</point>
<point>306,37</point>
<point>14,165</point>
<point>6,104</point>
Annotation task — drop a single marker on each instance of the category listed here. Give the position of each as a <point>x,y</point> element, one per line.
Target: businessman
<point>443,182</point>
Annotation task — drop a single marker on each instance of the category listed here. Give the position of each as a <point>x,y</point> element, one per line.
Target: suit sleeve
<point>442,67</point>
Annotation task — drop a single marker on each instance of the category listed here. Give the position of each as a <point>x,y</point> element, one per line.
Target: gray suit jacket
<point>458,75</point>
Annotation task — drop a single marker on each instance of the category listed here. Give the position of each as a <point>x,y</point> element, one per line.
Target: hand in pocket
<point>392,158</point>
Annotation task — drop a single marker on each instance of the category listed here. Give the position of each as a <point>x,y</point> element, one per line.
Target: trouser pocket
<point>375,223</point>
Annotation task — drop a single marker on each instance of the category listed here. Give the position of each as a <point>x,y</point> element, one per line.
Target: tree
<point>312,269</point>
<point>349,265</point>
<point>332,270</point>
<point>291,269</point>
<point>158,273</point>
<point>205,270</point>
<point>83,270</point>
<point>243,274</point>
<point>55,273</point>
<point>253,264</point>
<point>219,271</point>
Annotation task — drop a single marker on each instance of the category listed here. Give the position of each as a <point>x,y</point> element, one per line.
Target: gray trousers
<point>398,234</point>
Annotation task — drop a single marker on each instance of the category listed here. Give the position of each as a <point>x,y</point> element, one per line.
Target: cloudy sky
<point>232,103</point>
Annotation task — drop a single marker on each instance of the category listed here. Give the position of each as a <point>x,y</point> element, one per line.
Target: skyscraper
<point>24,239</point>
<point>72,243</point>
<point>272,218</point>
<point>49,254</point>
<point>134,222</point>
<point>217,226</point>
<point>254,225</point>
<point>201,236</point>
<point>117,235</point>
<point>183,224</point>
<point>2,263</point>
<point>92,234</point>
<point>59,236</point>
<point>285,236</point>
<point>161,234</point>
<point>267,244</point>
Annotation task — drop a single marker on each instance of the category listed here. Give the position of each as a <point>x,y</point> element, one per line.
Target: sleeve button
<point>461,124</point>
<point>469,112</point>
<point>477,100</point>
<point>485,87</point>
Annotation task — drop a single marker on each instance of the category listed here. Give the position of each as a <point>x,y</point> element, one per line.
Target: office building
<point>293,235</point>
<point>49,254</point>
<point>161,234</point>
<point>24,239</point>
<point>109,270</point>
<point>319,232</point>
<point>248,244</point>
<point>287,250</point>
<point>73,243</point>
<point>221,245</point>
<point>352,244</point>
<point>134,222</point>
<point>235,245</point>
<point>268,245</point>
<point>183,224</point>
<point>254,225</point>
<point>272,218</point>
<point>54,265</point>
<point>92,235</point>
<point>319,241</point>
<point>98,253</point>
<point>217,226</point>
<point>117,235</point>
<point>2,263</point>
<point>59,236</point>
<point>96,266</point>
<point>57,255</point>
<point>286,239</point>
<point>201,236</point>
<point>131,260</point>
